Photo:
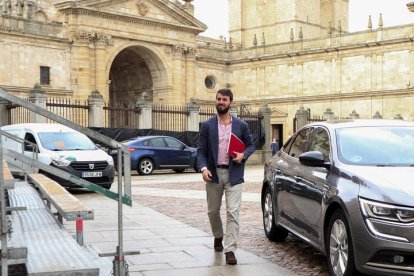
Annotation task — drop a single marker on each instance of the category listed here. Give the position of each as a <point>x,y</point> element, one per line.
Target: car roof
<point>39,127</point>
<point>335,124</point>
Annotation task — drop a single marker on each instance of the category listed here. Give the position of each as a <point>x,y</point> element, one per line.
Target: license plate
<point>113,151</point>
<point>91,174</point>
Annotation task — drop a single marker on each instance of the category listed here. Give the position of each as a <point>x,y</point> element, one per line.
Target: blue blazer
<point>207,152</point>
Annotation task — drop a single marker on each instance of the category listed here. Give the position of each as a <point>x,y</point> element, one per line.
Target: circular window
<point>210,82</point>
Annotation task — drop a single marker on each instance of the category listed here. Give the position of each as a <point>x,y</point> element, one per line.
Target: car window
<point>29,137</point>
<point>172,143</point>
<point>300,142</point>
<point>157,142</point>
<point>320,142</point>
<point>378,146</point>
<point>60,141</point>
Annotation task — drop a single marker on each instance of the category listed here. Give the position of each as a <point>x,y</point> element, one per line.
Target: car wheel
<point>339,248</point>
<point>273,232</point>
<point>145,166</point>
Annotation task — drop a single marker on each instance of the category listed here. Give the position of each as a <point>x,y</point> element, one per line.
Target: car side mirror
<point>313,159</point>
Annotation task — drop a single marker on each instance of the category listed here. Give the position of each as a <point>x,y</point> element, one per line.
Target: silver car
<point>347,188</point>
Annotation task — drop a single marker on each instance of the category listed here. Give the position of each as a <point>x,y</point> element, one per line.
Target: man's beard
<point>222,111</point>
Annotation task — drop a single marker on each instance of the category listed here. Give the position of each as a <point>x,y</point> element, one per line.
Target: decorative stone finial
<point>329,28</point>
<point>369,23</point>
<point>255,40</point>
<point>380,22</point>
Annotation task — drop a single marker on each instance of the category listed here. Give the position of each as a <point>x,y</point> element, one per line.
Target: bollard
<point>79,230</point>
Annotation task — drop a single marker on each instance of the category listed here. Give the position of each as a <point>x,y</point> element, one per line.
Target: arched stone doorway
<point>134,70</point>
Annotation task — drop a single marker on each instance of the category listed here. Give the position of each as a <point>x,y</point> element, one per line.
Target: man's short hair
<point>226,92</point>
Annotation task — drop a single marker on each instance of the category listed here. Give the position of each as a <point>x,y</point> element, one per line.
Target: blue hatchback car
<point>149,153</point>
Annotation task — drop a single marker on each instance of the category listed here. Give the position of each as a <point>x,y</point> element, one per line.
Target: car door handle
<point>297,178</point>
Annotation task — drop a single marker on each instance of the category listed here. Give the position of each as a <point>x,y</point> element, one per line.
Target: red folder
<point>235,145</point>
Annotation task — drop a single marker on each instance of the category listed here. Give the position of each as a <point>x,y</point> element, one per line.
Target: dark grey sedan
<point>347,188</point>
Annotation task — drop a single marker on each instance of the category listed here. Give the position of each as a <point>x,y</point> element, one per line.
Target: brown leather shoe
<point>230,258</point>
<point>218,244</point>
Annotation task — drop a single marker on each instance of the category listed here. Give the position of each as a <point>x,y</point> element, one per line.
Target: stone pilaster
<point>101,41</point>
<point>38,97</point>
<point>193,115</point>
<point>178,80</point>
<point>266,112</point>
<point>81,67</point>
<point>96,112</point>
<point>190,76</point>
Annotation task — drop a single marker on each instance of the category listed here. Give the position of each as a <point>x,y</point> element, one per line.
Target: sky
<point>214,13</point>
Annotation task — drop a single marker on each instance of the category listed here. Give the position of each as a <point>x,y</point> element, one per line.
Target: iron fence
<point>121,115</point>
<point>172,118</point>
<point>17,113</point>
<point>76,111</point>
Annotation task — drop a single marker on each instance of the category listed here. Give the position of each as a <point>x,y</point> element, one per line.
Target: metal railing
<point>123,165</point>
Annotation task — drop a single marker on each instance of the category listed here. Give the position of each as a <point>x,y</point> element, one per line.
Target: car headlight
<point>60,161</point>
<point>110,161</point>
<point>388,212</point>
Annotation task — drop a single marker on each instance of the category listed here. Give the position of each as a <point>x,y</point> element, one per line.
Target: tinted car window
<point>172,143</point>
<point>320,142</point>
<point>300,142</point>
<point>157,142</point>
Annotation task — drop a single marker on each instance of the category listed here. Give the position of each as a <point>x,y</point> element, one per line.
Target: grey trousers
<point>233,196</point>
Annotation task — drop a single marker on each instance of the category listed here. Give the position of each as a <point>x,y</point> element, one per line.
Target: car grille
<point>84,166</point>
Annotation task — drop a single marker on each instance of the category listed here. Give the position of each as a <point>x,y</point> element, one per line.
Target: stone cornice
<point>132,19</point>
<point>324,97</point>
<point>18,32</point>
<point>252,56</point>
<point>19,90</point>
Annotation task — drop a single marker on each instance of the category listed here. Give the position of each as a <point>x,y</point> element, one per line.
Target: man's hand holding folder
<point>235,148</point>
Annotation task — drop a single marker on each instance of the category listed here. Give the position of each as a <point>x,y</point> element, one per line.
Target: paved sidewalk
<point>167,246</point>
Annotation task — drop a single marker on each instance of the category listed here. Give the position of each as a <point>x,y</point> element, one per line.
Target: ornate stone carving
<point>84,36</point>
<point>143,9</point>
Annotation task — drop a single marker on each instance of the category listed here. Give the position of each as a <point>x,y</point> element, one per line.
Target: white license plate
<point>91,174</point>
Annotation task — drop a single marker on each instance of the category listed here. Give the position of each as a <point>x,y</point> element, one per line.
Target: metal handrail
<point>123,154</point>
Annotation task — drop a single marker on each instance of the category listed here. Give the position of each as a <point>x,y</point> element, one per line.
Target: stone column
<point>96,113</point>
<point>38,97</point>
<point>4,112</point>
<point>266,112</point>
<point>301,117</point>
<point>190,79</point>
<point>178,81</point>
<point>193,119</point>
<point>144,107</point>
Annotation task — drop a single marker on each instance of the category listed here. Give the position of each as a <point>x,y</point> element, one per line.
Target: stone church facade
<point>285,54</point>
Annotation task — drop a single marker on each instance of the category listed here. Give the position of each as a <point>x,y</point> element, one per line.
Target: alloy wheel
<point>338,246</point>
<point>268,212</point>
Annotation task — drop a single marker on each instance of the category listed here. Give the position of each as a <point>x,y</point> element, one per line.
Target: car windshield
<point>376,146</point>
<point>58,141</point>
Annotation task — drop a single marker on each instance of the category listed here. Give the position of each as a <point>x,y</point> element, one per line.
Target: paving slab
<point>168,246</point>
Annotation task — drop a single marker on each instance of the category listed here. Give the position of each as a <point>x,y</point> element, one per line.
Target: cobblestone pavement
<point>292,254</point>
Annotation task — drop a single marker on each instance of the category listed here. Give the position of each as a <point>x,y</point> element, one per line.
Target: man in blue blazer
<point>222,173</point>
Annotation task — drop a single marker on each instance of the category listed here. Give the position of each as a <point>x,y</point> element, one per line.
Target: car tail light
<point>131,149</point>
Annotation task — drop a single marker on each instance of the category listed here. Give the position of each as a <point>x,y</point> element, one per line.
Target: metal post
<point>120,269</point>
<point>79,230</point>
<point>4,224</point>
